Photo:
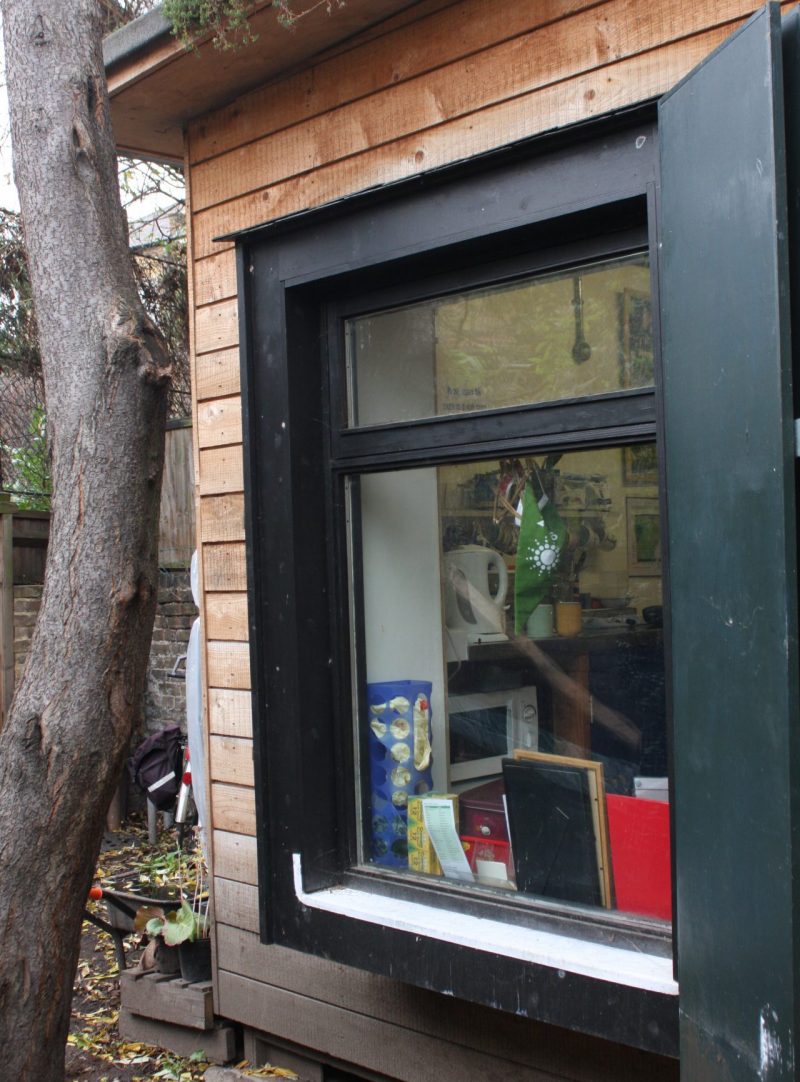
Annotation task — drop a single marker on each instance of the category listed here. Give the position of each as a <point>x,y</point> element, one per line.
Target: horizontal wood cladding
<point>222,518</point>
<point>228,664</point>
<point>424,45</point>
<point>221,470</point>
<point>235,857</point>
<point>219,422</point>
<point>539,58</point>
<point>215,277</point>
<point>556,105</point>
<point>230,712</point>
<point>409,1034</point>
<point>224,568</point>
<point>217,374</point>
<point>216,326</point>
<point>231,896</point>
<point>358,1038</point>
<point>443,92</point>
<point>231,759</point>
<point>475,1029</point>
<point>233,808</point>
<point>226,617</point>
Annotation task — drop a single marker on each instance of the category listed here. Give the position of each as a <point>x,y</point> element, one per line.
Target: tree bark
<point>106,375</point>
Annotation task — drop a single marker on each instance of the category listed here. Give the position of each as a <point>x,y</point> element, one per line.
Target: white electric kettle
<point>469,604</point>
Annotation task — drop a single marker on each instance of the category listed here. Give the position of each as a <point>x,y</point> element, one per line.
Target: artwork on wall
<point>640,464</point>
<point>635,338</point>
<point>644,535</point>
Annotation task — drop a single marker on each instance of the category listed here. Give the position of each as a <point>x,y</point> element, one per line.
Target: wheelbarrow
<point>121,908</point>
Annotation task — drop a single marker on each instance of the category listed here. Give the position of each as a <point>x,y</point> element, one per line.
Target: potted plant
<point>185,928</point>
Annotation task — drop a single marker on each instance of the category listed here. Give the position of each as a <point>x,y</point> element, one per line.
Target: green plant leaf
<point>179,925</point>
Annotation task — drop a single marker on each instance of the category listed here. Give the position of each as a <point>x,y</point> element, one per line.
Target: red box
<point>481,813</point>
<point>640,855</point>
<point>486,849</point>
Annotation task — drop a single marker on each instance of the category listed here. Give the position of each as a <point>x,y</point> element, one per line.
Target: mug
<point>540,622</point>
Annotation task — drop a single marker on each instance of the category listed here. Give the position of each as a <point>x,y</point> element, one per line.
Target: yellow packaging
<point>421,854</point>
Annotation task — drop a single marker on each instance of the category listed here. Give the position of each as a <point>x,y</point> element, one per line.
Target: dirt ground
<point>95,1052</point>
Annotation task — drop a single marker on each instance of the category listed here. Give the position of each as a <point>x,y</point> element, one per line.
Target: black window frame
<point>298,279</point>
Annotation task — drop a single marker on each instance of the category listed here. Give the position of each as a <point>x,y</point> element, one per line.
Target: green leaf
<point>179,925</point>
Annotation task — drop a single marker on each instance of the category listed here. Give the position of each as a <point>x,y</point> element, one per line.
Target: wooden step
<point>217,1044</point>
<point>167,999</point>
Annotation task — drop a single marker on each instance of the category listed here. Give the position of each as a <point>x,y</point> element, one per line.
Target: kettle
<point>469,604</point>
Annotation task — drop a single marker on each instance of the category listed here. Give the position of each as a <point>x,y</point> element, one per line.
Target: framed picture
<point>640,464</point>
<point>558,824</point>
<point>635,338</point>
<point>644,535</point>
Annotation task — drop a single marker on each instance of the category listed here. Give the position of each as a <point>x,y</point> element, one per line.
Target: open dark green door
<point>730,463</point>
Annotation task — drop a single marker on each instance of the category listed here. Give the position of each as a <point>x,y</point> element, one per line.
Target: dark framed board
<point>559,827</point>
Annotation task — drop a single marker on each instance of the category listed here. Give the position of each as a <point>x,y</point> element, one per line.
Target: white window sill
<point>615,964</point>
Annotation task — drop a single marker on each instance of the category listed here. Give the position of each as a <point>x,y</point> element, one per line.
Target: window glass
<point>511,713</point>
<point>577,332</point>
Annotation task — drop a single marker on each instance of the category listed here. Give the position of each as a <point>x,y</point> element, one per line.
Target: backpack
<point>155,767</point>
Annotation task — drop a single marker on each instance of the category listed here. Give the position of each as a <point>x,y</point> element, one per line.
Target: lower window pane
<point>512,727</point>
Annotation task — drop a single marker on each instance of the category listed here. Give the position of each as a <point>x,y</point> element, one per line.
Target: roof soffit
<point>156,86</point>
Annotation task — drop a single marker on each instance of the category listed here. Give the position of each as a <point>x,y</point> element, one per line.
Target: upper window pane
<point>582,331</point>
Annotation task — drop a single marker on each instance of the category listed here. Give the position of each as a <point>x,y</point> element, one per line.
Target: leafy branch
<point>228,21</point>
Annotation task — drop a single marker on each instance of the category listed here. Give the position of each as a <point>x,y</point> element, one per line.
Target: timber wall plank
<point>231,760</point>
<point>225,569</point>
<point>226,617</point>
<point>234,808</point>
<point>235,857</point>
<point>230,712</point>
<point>222,518</point>
<point>221,470</point>
<point>215,277</point>
<point>219,422</point>
<point>217,374</point>
<point>216,325</point>
<point>228,664</point>
<point>239,898</point>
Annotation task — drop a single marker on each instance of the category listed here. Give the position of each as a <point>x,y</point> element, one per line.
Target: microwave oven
<point>486,726</point>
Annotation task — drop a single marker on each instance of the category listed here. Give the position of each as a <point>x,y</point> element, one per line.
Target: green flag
<point>541,539</point>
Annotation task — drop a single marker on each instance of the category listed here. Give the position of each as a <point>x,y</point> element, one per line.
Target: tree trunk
<point>106,375</point>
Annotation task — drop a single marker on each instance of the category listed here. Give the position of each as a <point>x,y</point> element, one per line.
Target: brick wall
<point>27,601</point>
<point>165,702</point>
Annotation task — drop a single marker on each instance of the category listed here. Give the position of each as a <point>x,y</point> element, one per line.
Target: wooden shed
<point>491,328</point>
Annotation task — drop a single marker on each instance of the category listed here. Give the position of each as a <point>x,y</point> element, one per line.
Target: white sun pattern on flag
<point>544,553</point>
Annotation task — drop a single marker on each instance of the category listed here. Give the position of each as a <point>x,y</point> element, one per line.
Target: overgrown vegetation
<point>159,250</point>
<point>228,21</point>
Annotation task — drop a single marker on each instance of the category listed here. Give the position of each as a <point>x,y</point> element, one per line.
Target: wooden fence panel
<point>176,541</point>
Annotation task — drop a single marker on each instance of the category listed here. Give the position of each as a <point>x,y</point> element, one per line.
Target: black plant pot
<point>196,960</point>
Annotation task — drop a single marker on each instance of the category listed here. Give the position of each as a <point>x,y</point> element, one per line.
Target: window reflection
<point>586,330</point>
<point>515,734</point>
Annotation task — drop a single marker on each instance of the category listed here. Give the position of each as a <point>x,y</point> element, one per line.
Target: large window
<point>459,604</point>
<point>509,691</point>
